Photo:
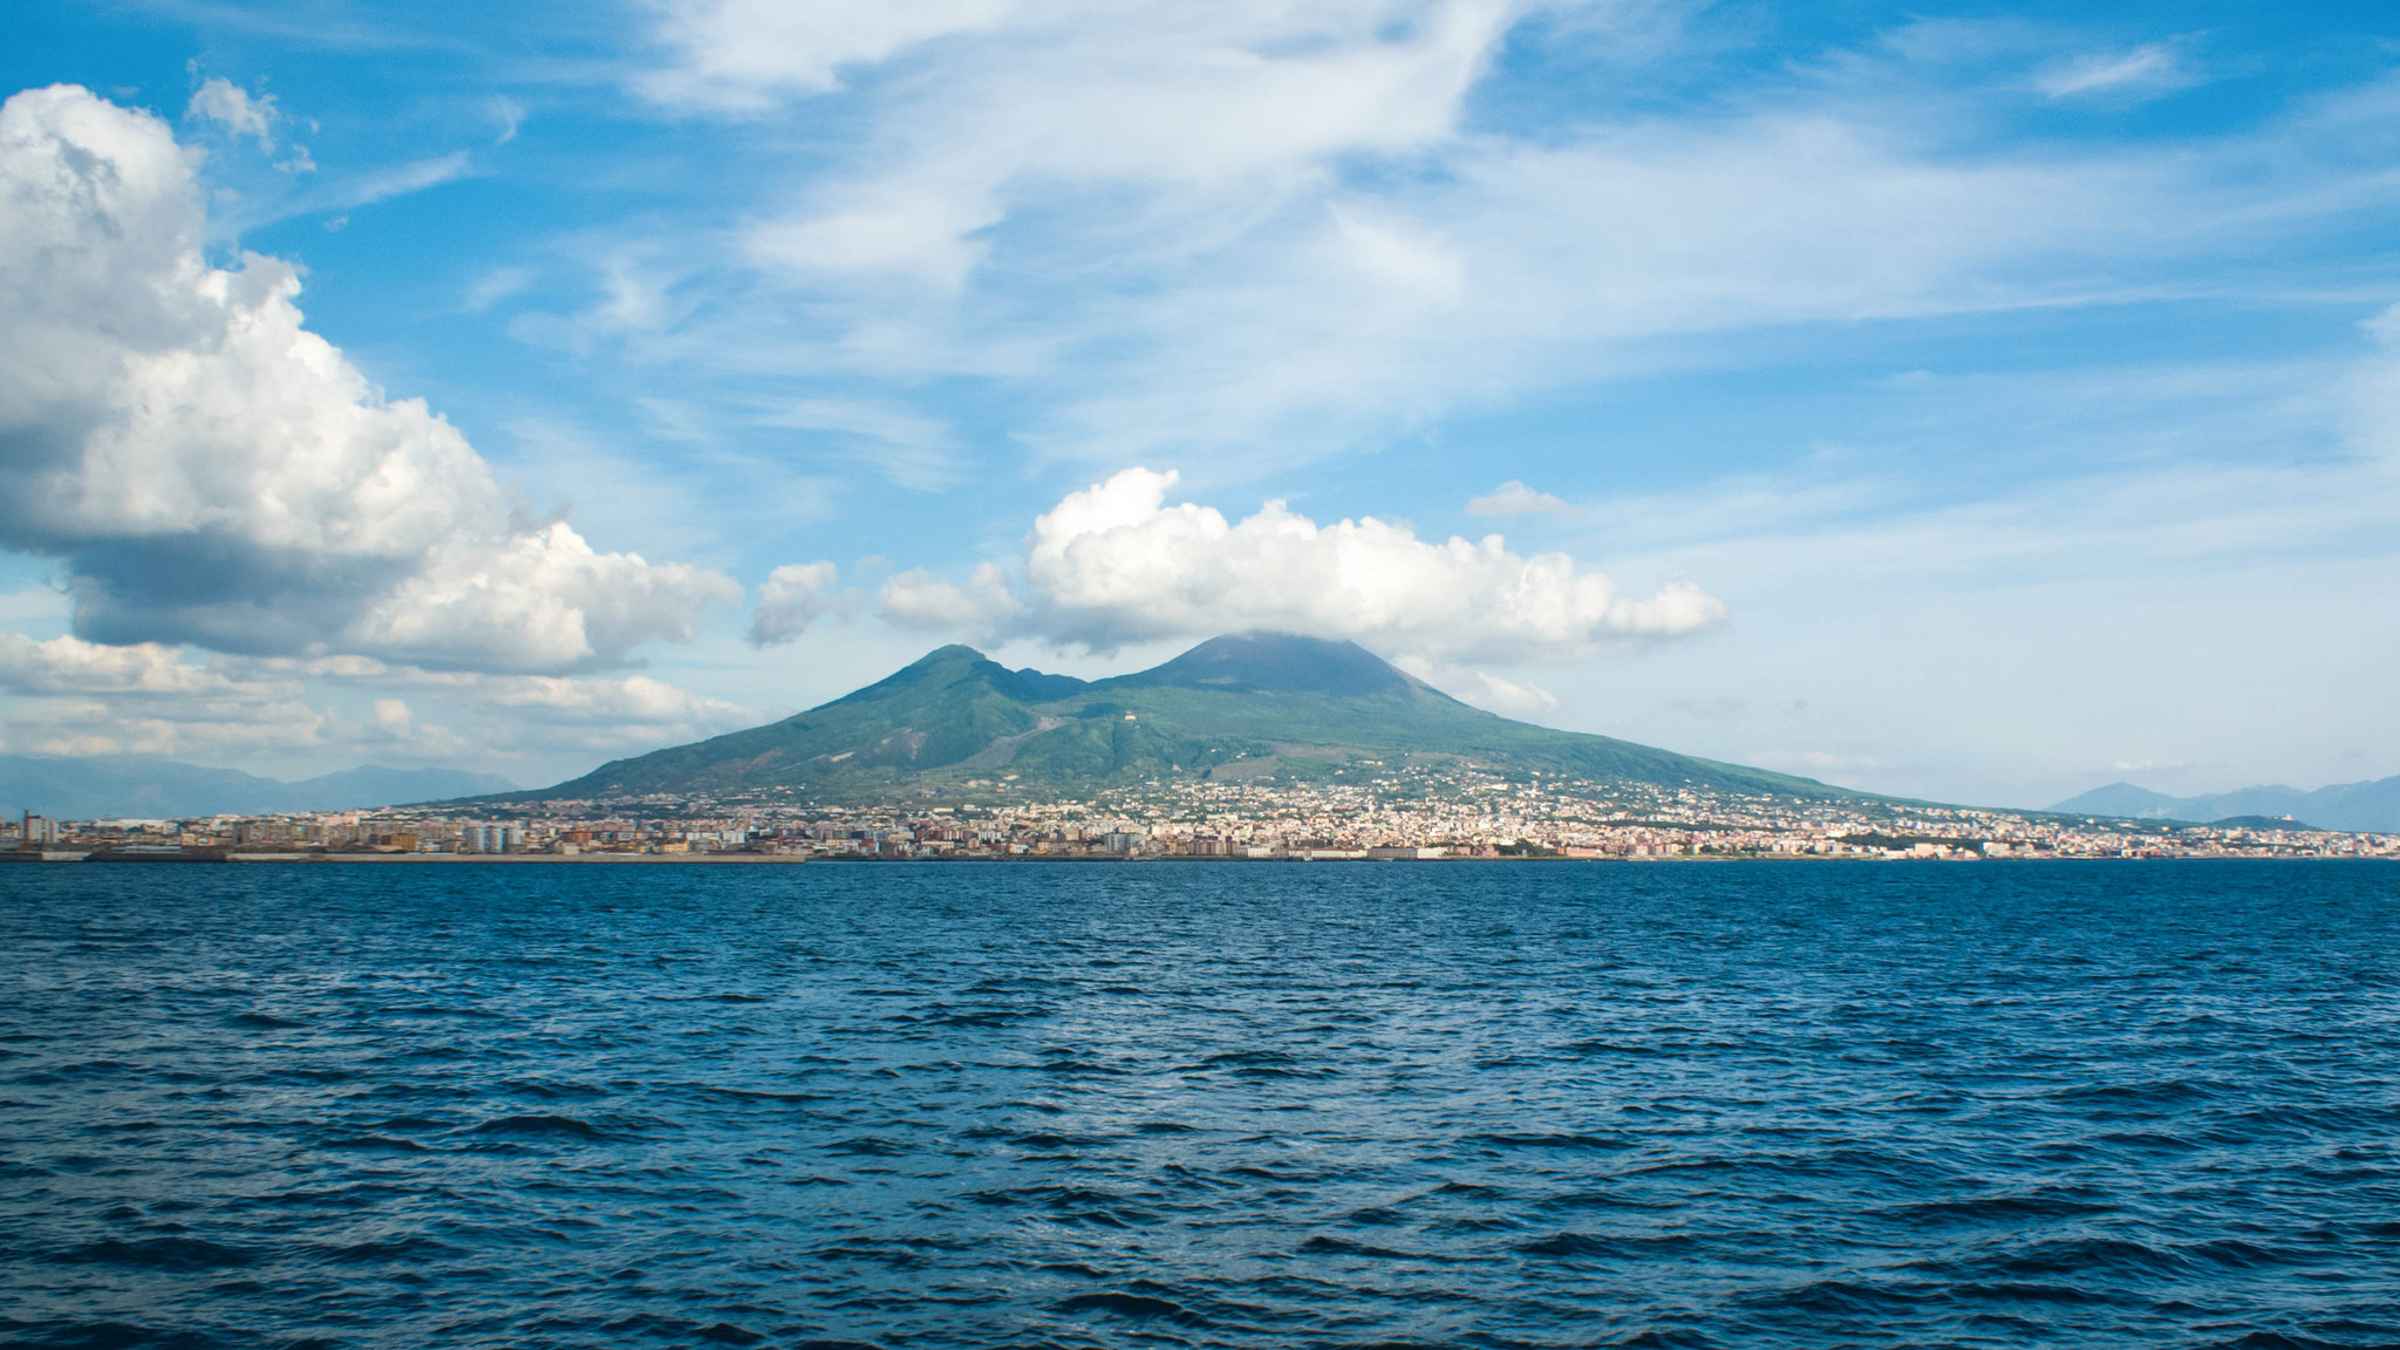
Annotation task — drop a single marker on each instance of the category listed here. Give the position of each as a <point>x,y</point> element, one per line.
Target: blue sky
<point>1979,403</point>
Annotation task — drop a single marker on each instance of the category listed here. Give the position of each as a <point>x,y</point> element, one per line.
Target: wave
<point>158,1253</point>
<point>1141,1307</point>
<point>549,1126</point>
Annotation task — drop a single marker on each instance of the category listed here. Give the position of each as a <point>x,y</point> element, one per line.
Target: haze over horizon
<point>1973,405</point>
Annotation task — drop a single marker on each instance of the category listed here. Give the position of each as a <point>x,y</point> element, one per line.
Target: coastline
<point>258,858</point>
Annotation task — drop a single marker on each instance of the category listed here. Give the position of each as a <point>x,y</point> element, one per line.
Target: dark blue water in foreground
<point>1755,1105</point>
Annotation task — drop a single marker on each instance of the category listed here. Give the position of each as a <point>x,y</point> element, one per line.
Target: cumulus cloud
<point>1118,562</point>
<point>83,698</point>
<point>792,597</point>
<point>78,727</point>
<point>619,700</point>
<point>67,665</point>
<point>1513,498</point>
<point>544,714</point>
<point>481,714</point>
<point>239,112</point>
<point>918,599</point>
<point>212,472</point>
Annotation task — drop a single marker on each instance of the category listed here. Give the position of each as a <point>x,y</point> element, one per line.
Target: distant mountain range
<point>2371,806</point>
<point>83,789</point>
<point>1247,707</point>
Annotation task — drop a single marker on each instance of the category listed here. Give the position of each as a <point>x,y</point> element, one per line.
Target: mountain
<point>81,789</point>
<point>1255,705</point>
<point>2370,806</point>
<point>2122,799</point>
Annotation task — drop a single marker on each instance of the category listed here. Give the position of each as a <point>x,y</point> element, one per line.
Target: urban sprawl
<point>1369,813</point>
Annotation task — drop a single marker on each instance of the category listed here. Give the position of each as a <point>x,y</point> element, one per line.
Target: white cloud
<point>239,112</point>
<point>637,699</point>
<point>919,233</point>
<point>540,599</point>
<point>918,599</point>
<point>1239,96</point>
<point>67,665</point>
<point>2152,68</point>
<point>1119,213</point>
<point>83,698</point>
<point>77,728</point>
<point>212,472</point>
<point>792,597</point>
<point>911,450</point>
<point>2383,328</point>
<point>1513,498</point>
<point>1485,689</point>
<point>546,715</point>
<point>739,56</point>
<point>33,604</point>
<point>495,285</point>
<point>1117,563</point>
<point>402,179</point>
<point>1249,234</point>
<point>507,117</point>
<point>468,716</point>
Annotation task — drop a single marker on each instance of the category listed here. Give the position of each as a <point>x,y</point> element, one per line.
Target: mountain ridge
<point>1246,706</point>
<point>142,786</point>
<point>2372,805</point>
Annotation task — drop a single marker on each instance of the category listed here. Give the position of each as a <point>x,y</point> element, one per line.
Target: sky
<point>1982,404</point>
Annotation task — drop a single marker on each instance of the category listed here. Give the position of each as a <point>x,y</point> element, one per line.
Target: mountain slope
<point>1248,707</point>
<point>2370,806</point>
<point>81,789</point>
<point>940,711</point>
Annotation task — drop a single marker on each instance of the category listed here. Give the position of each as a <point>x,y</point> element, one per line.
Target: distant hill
<point>2371,806</point>
<point>1246,707</point>
<point>82,789</point>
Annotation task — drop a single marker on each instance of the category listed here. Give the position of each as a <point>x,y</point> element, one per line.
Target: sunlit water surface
<point>1446,1104</point>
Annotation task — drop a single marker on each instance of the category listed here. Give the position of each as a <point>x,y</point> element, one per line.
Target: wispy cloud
<point>1514,498</point>
<point>2148,70</point>
<point>494,286</point>
<point>333,25</point>
<point>910,449</point>
<point>399,180</point>
<point>507,116</point>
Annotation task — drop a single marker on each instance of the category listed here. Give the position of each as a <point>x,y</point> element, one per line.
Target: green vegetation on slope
<point>1248,707</point>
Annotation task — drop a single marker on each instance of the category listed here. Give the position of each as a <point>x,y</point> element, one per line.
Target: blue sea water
<point>1193,1104</point>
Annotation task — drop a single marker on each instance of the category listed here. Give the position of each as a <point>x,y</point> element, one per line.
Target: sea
<point>1201,1104</point>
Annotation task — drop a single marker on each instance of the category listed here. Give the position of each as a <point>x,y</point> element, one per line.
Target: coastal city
<point>1403,814</point>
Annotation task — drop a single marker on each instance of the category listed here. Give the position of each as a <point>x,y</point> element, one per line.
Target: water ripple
<point>1511,1106</point>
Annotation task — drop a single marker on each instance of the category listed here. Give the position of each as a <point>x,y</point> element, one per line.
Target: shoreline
<point>264,857</point>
